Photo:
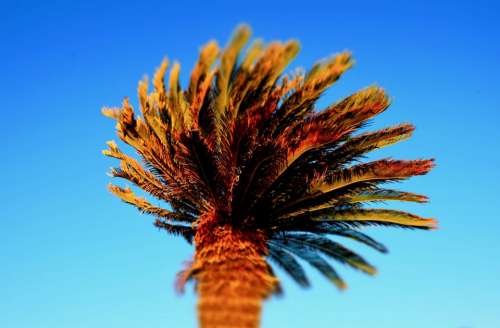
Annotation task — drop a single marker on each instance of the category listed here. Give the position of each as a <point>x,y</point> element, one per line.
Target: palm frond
<point>380,170</point>
<point>128,196</point>
<point>134,172</point>
<point>348,198</point>
<point>330,228</point>
<point>362,238</point>
<point>374,216</point>
<point>362,176</point>
<point>313,258</point>
<point>386,194</point>
<point>288,263</point>
<point>299,103</point>
<point>180,115</point>
<point>176,229</point>
<point>200,75</point>
<point>332,249</point>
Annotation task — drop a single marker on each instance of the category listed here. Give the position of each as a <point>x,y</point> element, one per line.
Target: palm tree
<point>253,172</point>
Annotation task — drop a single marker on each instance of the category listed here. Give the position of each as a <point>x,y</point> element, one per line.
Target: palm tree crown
<point>250,168</point>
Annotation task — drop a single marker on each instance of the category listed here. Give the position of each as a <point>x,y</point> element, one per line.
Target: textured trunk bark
<point>233,277</point>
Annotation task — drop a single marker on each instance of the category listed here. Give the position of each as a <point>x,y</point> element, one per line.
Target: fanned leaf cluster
<point>246,142</point>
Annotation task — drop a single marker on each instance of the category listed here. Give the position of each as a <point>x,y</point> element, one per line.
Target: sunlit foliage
<point>252,170</point>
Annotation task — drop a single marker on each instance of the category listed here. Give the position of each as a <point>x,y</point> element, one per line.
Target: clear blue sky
<point>71,255</point>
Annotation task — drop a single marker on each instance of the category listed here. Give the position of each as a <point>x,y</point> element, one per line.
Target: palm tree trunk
<point>233,277</point>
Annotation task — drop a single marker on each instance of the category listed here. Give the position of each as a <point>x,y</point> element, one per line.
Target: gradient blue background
<point>71,255</point>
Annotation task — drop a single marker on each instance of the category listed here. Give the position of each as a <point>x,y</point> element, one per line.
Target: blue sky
<point>71,255</point>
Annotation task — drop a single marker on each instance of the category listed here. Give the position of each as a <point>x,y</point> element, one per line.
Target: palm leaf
<point>298,104</point>
<point>386,194</point>
<point>348,198</point>
<point>334,229</point>
<point>360,176</point>
<point>176,229</point>
<point>382,216</point>
<point>334,156</point>
<point>313,258</point>
<point>362,238</point>
<point>288,263</point>
<point>380,170</point>
<point>333,250</point>
<point>128,196</point>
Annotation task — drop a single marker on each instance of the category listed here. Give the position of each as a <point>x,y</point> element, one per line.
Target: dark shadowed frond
<point>334,229</point>
<point>243,146</point>
<point>331,249</point>
<point>288,263</point>
<point>312,257</point>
